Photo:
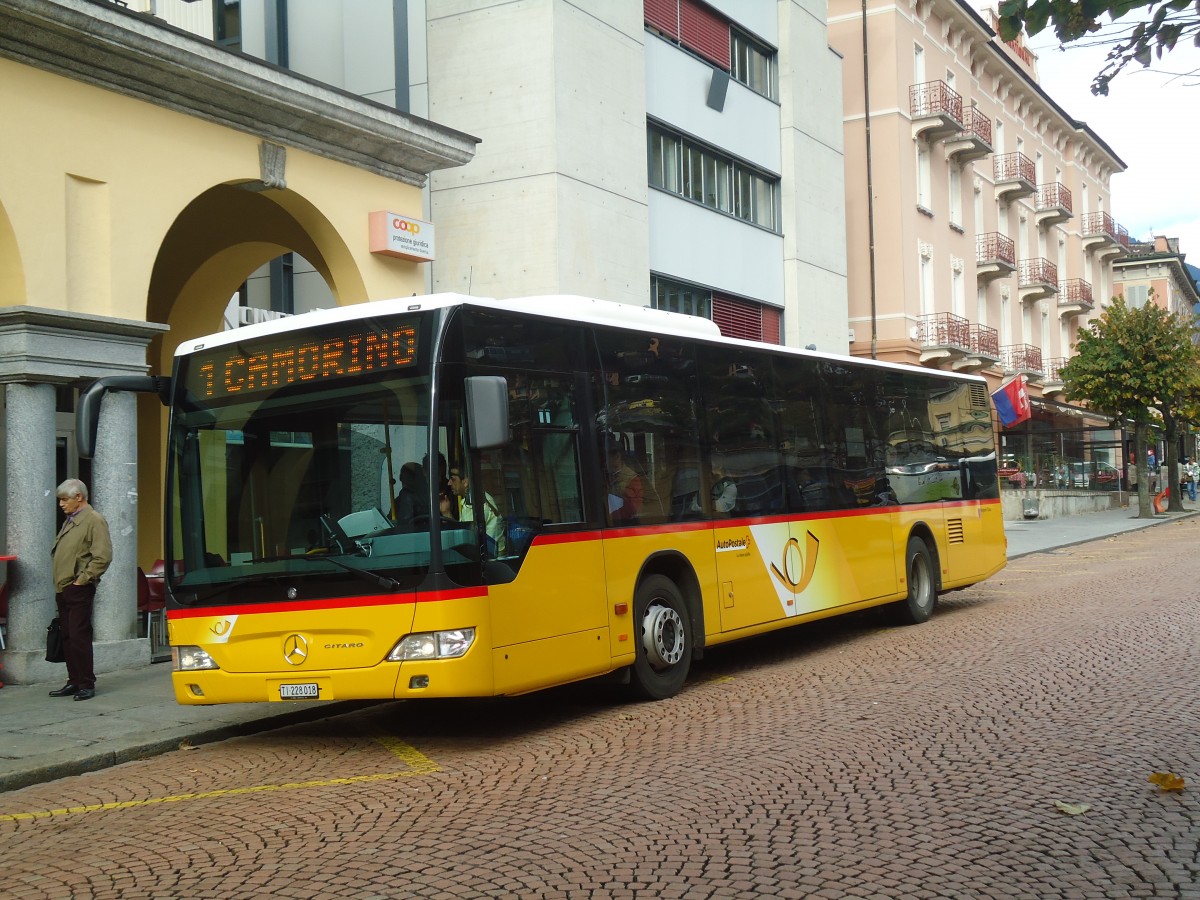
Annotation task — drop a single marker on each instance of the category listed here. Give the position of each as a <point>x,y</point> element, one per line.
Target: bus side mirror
<point>487,411</point>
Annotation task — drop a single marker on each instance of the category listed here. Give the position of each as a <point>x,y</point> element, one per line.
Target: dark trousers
<point>75,617</point>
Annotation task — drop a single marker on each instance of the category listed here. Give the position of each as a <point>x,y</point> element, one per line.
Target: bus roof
<point>570,307</point>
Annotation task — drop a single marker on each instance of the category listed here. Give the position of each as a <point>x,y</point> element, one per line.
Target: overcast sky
<point>1151,120</point>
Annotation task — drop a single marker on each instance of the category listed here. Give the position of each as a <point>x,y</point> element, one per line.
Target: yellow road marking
<point>418,764</point>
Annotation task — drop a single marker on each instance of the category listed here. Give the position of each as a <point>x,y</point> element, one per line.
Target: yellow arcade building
<point>145,174</point>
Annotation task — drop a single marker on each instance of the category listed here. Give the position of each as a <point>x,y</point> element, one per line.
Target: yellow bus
<point>449,496</point>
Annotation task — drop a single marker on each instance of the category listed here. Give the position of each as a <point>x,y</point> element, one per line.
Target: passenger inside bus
<point>411,502</point>
<point>625,490</point>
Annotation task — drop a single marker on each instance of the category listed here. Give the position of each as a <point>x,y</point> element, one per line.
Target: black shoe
<point>85,694</point>
<point>66,690</point>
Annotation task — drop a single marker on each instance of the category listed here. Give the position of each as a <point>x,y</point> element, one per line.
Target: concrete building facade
<point>669,153</point>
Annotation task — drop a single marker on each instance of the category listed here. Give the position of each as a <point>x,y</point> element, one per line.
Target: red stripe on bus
<point>324,603</point>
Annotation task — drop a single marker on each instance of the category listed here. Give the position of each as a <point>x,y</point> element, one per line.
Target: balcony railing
<point>1037,271</point>
<point>992,247</point>
<point>935,98</point>
<point>974,141</point>
<point>985,341</point>
<point>1101,223</point>
<point>944,330</point>
<point>1053,369</point>
<point>1022,358</point>
<point>936,110</point>
<point>1014,167</point>
<point>977,125</point>
<point>1099,228</point>
<point>1075,292</point>
<point>1054,199</point>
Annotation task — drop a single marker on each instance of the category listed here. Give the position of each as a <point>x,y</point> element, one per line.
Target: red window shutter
<point>738,318</point>
<point>770,325</point>
<point>704,31</point>
<point>663,15</point>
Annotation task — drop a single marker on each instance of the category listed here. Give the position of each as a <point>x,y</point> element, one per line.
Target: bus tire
<point>918,606</point>
<point>664,639</point>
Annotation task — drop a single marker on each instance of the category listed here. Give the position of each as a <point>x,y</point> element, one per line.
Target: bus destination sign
<point>301,358</point>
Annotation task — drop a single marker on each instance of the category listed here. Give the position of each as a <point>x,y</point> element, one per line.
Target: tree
<point>1129,362</point>
<point>1170,22</point>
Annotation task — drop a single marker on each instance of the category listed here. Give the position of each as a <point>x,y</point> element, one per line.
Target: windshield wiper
<point>380,580</point>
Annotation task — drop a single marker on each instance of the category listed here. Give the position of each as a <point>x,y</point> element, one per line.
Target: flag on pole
<point>1012,402</point>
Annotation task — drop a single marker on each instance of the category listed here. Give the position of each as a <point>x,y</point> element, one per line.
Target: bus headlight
<point>191,659</point>
<point>433,645</point>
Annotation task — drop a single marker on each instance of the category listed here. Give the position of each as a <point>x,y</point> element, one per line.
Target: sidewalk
<point>134,714</point>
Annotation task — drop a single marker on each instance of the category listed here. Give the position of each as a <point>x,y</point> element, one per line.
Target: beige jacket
<point>82,550</point>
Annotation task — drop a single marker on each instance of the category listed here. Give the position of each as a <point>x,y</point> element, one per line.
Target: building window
<point>693,25</point>
<point>1136,295</point>
<point>752,63</point>
<point>712,179</point>
<point>924,194</point>
<point>664,161</point>
<point>955,190</point>
<point>735,317</point>
<point>227,24</point>
<point>681,298</point>
<point>746,319</point>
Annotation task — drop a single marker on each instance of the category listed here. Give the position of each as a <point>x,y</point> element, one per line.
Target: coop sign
<point>395,235</point>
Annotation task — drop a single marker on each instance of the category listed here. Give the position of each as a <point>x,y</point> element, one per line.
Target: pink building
<point>988,240</point>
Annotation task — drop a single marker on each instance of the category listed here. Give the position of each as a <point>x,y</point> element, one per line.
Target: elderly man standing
<point>81,554</point>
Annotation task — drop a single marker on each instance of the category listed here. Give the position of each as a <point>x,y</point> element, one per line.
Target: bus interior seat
<point>685,494</point>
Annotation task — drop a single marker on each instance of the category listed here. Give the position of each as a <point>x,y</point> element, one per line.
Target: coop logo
<point>797,566</point>
<point>406,225</point>
<point>724,546</point>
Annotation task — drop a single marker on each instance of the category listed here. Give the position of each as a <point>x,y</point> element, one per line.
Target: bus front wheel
<point>664,639</point>
<point>918,606</point>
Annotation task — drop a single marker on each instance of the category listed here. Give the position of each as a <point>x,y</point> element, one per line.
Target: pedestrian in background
<point>82,553</point>
<point>1190,473</point>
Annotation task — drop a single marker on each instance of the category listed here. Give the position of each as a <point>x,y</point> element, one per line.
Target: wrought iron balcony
<point>1052,382</point>
<point>995,256</point>
<point>985,341</point>
<point>975,141</point>
<point>936,110</point>
<point>1053,204</point>
<point>1074,297</point>
<point>944,330</point>
<point>1016,176</point>
<point>1022,358</point>
<point>1038,278</point>
<point>1103,235</point>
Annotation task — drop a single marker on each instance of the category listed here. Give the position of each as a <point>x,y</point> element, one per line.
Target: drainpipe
<point>870,184</point>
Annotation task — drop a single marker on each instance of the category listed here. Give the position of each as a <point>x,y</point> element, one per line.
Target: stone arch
<point>214,244</point>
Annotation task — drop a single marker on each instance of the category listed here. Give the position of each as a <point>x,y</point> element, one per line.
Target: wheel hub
<point>662,636</point>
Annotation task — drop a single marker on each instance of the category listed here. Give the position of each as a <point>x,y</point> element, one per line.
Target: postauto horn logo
<point>796,563</point>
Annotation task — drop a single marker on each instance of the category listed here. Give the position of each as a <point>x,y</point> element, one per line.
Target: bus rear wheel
<point>918,606</point>
<point>664,639</point>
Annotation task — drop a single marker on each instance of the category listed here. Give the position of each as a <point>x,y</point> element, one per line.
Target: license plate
<point>306,691</point>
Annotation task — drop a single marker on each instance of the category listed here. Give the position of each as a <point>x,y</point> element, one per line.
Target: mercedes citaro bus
<point>629,488</point>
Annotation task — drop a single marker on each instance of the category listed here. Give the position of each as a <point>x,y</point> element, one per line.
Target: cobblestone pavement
<point>839,760</point>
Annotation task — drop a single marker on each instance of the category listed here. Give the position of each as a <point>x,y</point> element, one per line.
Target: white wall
<point>677,92</point>
<point>693,243</point>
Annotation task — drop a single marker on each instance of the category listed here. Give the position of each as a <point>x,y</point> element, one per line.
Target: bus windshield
<point>316,488</point>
